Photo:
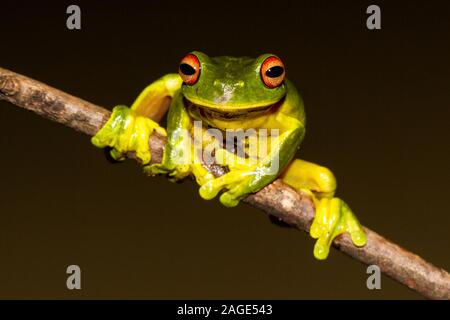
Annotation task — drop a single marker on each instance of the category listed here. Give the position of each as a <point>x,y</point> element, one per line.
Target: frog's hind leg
<point>304,175</point>
<point>333,216</point>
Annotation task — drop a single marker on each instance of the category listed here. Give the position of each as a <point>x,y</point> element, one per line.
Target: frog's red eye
<point>189,69</point>
<point>272,72</point>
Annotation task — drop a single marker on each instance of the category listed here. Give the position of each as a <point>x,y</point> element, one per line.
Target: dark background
<point>377,104</point>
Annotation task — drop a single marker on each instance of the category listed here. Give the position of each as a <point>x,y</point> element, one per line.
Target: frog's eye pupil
<point>187,69</point>
<point>274,72</point>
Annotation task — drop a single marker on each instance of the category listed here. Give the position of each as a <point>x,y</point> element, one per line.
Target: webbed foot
<point>173,172</point>
<point>238,184</point>
<point>333,217</point>
<point>125,131</point>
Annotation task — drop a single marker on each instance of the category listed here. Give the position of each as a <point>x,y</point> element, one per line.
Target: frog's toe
<point>321,249</point>
<point>175,173</point>
<point>180,172</point>
<point>353,226</point>
<point>233,196</point>
<point>324,226</point>
<point>358,238</point>
<point>100,141</point>
<point>144,156</point>
<point>209,190</point>
<point>203,178</point>
<point>117,155</point>
<point>228,199</point>
<point>155,169</point>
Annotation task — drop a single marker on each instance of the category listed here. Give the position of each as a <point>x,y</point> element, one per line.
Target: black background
<point>377,106</point>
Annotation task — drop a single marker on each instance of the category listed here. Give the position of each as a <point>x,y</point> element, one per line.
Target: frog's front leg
<point>180,157</point>
<point>129,129</point>
<point>245,179</point>
<point>333,216</point>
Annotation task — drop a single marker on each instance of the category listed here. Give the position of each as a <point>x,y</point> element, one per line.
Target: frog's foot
<point>238,184</point>
<point>201,174</point>
<point>125,131</point>
<point>334,217</point>
<point>174,172</point>
<point>178,172</point>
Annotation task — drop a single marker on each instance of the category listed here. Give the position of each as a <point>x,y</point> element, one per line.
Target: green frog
<point>230,94</point>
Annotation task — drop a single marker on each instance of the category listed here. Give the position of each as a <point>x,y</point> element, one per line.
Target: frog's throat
<point>230,112</point>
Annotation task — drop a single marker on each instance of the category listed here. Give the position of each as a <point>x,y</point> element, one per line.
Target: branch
<point>277,199</point>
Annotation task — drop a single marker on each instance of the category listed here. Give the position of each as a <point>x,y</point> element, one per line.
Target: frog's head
<point>231,85</point>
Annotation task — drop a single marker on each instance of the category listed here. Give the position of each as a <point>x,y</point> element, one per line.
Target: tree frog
<point>229,93</point>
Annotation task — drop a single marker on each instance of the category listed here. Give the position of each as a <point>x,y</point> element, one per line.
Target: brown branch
<point>277,199</point>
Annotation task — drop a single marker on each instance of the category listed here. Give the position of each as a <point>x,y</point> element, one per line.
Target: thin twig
<point>278,199</point>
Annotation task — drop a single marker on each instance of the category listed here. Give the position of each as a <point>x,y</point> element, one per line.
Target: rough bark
<point>277,199</point>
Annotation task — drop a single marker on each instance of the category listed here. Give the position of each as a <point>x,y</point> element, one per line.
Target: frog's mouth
<point>229,112</point>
